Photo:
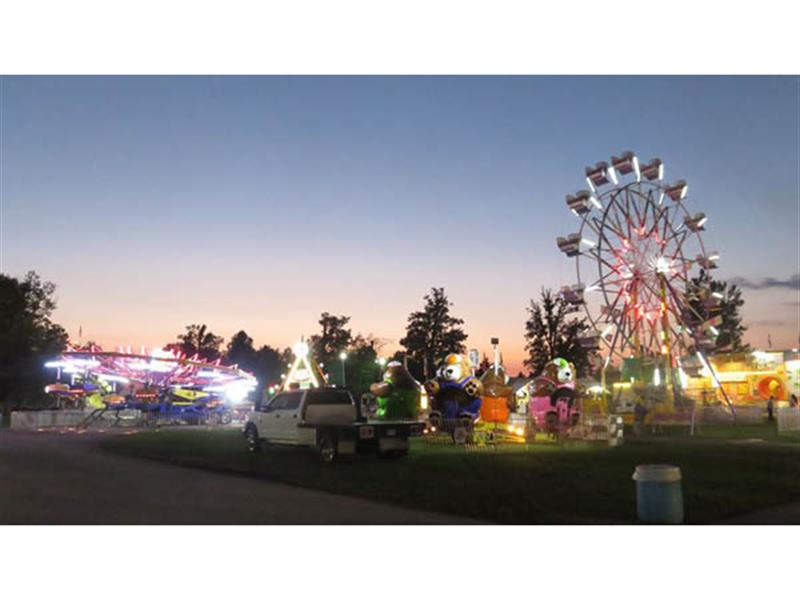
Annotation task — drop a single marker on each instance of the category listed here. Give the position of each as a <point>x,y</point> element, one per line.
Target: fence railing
<point>788,419</point>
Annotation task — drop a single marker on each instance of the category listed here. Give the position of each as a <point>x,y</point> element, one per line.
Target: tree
<point>270,364</point>
<point>484,365</point>
<point>550,333</point>
<point>729,306</point>
<point>240,351</point>
<point>200,341</point>
<point>333,340</point>
<point>27,337</point>
<point>362,368</point>
<point>432,333</point>
<point>25,325</point>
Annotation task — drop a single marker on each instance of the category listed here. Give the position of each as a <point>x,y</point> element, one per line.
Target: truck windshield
<point>328,397</point>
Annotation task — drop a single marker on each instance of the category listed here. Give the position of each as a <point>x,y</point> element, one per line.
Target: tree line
<point>28,337</point>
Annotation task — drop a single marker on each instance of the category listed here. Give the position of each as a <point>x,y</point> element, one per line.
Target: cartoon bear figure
<point>398,395</point>
<point>455,390</point>
<point>497,401</point>
<point>555,392</point>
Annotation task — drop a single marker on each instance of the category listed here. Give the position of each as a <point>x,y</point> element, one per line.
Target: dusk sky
<point>257,203</point>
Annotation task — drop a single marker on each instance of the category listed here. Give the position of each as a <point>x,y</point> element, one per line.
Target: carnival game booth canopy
<point>145,375</point>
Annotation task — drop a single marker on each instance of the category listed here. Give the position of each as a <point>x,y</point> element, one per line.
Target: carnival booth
<point>748,378</point>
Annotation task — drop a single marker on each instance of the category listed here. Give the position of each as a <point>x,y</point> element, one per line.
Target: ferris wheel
<point>637,250</point>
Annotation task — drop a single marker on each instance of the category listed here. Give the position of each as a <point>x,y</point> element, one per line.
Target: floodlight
<point>653,170</point>
<point>678,190</point>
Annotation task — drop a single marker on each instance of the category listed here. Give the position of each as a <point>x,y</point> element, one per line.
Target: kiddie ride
<point>468,410</point>
<point>163,386</point>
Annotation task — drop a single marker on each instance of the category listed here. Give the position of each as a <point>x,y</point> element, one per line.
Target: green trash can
<point>659,496</point>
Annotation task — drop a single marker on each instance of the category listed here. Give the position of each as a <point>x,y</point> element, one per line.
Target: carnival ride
<point>638,253</point>
<point>163,383</point>
<point>305,372</point>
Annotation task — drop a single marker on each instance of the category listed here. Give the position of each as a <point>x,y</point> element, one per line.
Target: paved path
<point>52,478</point>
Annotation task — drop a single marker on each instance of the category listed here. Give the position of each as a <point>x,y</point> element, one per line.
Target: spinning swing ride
<point>639,252</point>
<point>162,380</point>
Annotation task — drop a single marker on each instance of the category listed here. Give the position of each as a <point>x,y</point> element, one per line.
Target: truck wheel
<point>253,441</point>
<point>327,449</point>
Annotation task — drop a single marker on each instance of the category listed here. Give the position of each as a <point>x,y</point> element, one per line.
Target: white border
<point>413,36</point>
<point>347,36</point>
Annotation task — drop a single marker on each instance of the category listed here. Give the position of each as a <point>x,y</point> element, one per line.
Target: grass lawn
<point>725,473</point>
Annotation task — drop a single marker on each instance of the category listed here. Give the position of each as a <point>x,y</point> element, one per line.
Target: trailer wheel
<point>253,441</point>
<point>327,449</point>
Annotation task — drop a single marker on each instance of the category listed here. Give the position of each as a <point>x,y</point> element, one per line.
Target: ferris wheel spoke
<point>625,212</point>
<point>617,229</point>
<point>603,280</point>
<point>678,236</point>
<point>604,261</point>
<point>590,221</point>
<point>620,228</point>
<point>658,212</point>
<point>633,202</point>
<point>612,306</point>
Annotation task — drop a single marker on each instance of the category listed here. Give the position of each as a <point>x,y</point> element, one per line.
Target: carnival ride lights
<point>639,253</point>
<point>161,369</point>
<point>304,372</point>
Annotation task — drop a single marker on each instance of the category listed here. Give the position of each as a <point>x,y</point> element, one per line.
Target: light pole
<point>343,357</point>
<point>381,362</point>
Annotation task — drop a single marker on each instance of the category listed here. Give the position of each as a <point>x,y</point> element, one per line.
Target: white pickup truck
<point>327,419</point>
